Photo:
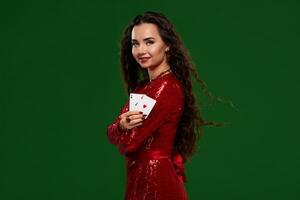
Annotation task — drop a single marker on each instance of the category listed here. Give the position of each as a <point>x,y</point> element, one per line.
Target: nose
<point>141,50</point>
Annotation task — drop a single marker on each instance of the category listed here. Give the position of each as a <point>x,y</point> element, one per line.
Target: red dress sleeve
<point>114,132</point>
<point>169,100</point>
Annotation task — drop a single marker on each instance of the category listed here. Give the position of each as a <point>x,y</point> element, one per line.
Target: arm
<point>169,100</point>
<point>113,130</point>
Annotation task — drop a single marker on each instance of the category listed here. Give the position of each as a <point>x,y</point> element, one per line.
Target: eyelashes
<point>148,43</point>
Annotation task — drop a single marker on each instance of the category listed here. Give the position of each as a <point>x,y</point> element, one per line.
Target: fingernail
<point>141,112</point>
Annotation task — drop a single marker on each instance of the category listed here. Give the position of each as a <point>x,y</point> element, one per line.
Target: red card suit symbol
<point>144,106</point>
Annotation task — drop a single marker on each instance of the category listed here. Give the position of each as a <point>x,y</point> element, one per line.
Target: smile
<point>143,60</point>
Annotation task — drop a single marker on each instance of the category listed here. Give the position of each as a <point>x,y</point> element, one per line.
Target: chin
<point>145,66</point>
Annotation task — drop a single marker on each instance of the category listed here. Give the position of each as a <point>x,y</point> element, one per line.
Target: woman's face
<point>148,48</point>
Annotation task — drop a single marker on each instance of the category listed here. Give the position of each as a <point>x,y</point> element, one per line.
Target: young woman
<point>154,62</point>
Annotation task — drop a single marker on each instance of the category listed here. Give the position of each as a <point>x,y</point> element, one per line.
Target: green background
<point>61,87</point>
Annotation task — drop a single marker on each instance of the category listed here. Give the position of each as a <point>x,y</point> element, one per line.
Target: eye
<point>148,43</point>
<point>134,44</point>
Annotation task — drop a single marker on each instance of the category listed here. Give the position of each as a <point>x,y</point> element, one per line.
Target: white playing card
<point>141,102</point>
<point>135,102</point>
<point>147,105</point>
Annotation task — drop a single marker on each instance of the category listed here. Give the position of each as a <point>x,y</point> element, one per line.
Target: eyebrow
<point>145,39</point>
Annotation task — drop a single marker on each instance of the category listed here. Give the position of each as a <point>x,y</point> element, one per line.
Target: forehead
<point>144,30</point>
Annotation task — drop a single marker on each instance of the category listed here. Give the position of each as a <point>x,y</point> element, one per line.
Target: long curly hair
<point>189,129</point>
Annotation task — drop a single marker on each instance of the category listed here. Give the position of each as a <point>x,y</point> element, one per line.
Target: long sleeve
<point>169,100</point>
<point>113,131</point>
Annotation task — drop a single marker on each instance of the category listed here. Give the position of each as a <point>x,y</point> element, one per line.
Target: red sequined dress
<point>153,170</point>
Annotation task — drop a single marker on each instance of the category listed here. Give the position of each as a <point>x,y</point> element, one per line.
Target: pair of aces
<point>141,102</point>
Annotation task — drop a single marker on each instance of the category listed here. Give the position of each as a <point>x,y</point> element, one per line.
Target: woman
<point>154,62</point>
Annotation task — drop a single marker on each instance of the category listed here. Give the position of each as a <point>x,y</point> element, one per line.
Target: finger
<point>134,125</point>
<point>123,115</point>
<point>138,116</point>
<point>138,124</point>
<point>134,112</point>
<point>129,113</point>
<point>133,117</point>
<point>134,122</point>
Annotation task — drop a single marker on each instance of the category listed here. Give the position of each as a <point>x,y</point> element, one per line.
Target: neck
<point>153,73</point>
<point>159,73</point>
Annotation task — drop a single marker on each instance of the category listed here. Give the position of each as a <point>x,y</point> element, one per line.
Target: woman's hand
<point>131,119</point>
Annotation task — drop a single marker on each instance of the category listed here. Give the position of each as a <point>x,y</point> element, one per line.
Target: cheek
<point>154,50</point>
<point>133,53</point>
<point>157,51</point>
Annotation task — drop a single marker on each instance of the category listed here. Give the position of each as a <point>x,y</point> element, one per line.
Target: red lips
<point>144,59</point>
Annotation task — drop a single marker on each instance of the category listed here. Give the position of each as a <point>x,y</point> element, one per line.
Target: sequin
<point>153,170</point>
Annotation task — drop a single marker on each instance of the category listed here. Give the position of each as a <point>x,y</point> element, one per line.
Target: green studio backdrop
<point>61,87</point>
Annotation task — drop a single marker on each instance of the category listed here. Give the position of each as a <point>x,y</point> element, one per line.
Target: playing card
<point>147,105</point>
<point>135,102</point>
<point>141,102</point>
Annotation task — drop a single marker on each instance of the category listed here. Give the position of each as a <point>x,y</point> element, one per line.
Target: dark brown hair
<point>191,123</point>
